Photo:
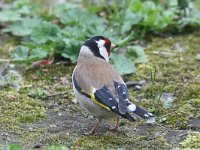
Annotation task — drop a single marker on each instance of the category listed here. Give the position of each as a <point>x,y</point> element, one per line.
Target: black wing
<point>122,93</point>
<point>104,98</point>
<point>124,104</point>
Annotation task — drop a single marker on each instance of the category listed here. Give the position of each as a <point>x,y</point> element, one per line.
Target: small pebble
<point>53,126</point>
<point>75,101</point>
<point>37,145</point>
<point>198,57</point>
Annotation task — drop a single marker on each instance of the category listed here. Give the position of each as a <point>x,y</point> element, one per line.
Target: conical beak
<point>114,45</point>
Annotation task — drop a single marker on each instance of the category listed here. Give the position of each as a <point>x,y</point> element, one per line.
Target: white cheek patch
<point>102,50</point>
<point>104,53</point>
<point>100,43</point>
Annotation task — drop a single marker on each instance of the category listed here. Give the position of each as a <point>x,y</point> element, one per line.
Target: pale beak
<point>114,45</point>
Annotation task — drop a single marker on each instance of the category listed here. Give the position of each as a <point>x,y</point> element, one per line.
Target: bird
<point>98,87</point>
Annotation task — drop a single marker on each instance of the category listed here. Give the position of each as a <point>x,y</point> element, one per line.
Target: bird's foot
<point>116,126</point>
<point>90,133</point>
<point>113,128</point>
<point>93,130</point>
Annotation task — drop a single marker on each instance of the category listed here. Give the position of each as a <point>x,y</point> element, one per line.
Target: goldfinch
<point>98,87</point>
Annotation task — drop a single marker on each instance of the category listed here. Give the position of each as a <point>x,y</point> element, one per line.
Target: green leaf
<point>183,4</point>
<point>126,40</point>
<point>29,9</point>
<point>130,19</point>
<point>122,64</point>
<point>73,34</point>
<point>24,27</point>
<point>9,15</point>
<point>38,53</point>
<point>3,83</point>
<point>20,53</point>
<point>100,29</point>
<point>154,16</point>
<point>71,51</point>
<point>13,77</point>
<point>60,8</point>
<point>38,93</point>
<point>137,54</point>
<point>55,147</point>
<point>14,147</point>
<point>192,20</point>
<point>44,32</point>
<point>69,46</point>
<point>80,17</point>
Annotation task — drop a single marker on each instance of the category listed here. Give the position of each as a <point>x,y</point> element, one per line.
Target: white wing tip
<point>150,120</point>
<point>131,108</point>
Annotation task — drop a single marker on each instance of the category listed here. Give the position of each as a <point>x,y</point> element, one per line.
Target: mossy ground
<point>42,112</point>
<point>192,141</point>
<point>177,72</point>
<point>17,108</point>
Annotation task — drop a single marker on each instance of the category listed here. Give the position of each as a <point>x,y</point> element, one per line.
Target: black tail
<point>142,113</point>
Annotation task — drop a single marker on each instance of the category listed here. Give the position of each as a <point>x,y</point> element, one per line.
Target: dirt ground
<point>66,126</point>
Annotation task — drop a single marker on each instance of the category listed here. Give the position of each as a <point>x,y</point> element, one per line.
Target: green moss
<point>192,141</point>
<point>120,141</point>
<point>7,43</point>
<point>195,104</point>
<point>59,139</point>
<point>48,74</point>
<point>16,108</point>
<point>28,137</point>
<point>177,73</point>
<point>49,80</point>
<point>11,147</point>
<point>178,120</point>
<point>96,142</point>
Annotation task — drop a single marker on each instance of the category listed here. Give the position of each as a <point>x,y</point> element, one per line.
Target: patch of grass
<point>16,108</point>
<point>118,141</point>
<point>178,72</point>
<point>47,74</point>
<point>28,136</point>
<point>38,93</point>
<point>192,141</point>
<point>106,141</point>
<point>54,147</point>
<point>12,147</point>
<point>64,139</point>
<point>51,82</point>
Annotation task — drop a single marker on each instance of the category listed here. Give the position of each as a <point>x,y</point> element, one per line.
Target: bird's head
<point>98,46</point>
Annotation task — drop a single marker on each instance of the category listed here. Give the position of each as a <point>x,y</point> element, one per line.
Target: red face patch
<point>107,45</point>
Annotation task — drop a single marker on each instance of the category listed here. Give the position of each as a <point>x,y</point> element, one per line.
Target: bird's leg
<point>93,130</point>
<point>116,126</point>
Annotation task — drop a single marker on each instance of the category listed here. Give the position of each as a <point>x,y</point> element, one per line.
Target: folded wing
<point>105,99</point>
<point>125,105</point>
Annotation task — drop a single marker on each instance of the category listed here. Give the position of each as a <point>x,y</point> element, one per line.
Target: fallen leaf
<point>42,63</point>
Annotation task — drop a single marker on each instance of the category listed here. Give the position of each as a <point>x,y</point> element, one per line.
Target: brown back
<point>95,72</point>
